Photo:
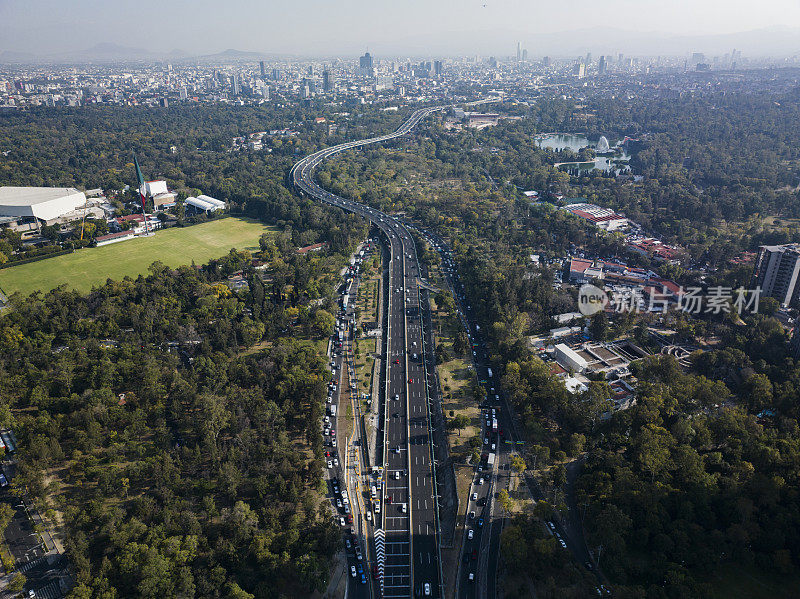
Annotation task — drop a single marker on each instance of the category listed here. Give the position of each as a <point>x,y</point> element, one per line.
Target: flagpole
<point>140,177</point>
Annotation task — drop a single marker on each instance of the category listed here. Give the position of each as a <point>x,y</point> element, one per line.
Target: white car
<point>470,534</point>
<point>397,475</point>
<point>341,521</point>
<point>427,589</point>
<point>330,464</point>
<point>474,497</point>
<point>353,571</point>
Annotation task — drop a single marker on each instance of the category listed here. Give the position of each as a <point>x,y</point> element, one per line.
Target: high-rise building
<point>519,51</point>
<point>547,62</point>
<point>236,86</point>
<point>776,272</point>
<point>601,66</point>
<point>263,69</point>
<point>328,81</point>
<point>579,70</point>
<point>305,92</point>
<point>437,67</point>
<point>366,65</point>
<point>524,54</point>
<point>276,74</point>
<point>588,60</point>
<point>184,94</point>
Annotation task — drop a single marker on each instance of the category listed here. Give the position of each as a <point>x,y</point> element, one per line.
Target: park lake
<point>576,142</point>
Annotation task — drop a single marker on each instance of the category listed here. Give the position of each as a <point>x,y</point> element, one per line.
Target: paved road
<point>405,506</point>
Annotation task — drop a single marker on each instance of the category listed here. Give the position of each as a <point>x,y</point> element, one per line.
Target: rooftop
<point>29,196</point>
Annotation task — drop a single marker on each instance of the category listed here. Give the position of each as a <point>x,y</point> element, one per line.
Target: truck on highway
<point>494,425</point>
<point>490,460</point>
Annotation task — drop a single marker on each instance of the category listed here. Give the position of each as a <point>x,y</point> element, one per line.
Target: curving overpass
<point>403,537</point>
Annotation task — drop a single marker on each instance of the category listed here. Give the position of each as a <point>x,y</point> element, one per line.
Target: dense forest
<point>181,466</point>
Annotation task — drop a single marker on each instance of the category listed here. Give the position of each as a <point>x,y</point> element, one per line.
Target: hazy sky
<point>348,26</point>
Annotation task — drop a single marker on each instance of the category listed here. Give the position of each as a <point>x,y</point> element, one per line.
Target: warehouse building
<point>40,205</point>
<point>204,203</point>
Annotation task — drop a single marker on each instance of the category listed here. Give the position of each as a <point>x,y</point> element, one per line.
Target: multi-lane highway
<point>404,523</point>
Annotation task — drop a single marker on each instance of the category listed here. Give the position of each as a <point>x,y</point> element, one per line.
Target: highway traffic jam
<point>404,556</point>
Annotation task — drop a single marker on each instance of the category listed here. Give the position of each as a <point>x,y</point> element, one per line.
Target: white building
<point>152,188</point>
<point>45,205</point>
<point>204,203</point>
<point>568,358</point>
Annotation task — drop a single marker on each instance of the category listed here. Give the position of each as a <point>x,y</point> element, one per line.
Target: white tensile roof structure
<point>43,203</point>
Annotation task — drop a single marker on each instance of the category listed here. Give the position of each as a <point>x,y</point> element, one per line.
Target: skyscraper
<point>588,60</point>
<point>263,69</point>
<point>437,67</point>
<point>276,74</point>
<point>328,81</point>
<point>524,54</point>
<point>579,70</point>
<point>183,93</point>
<point>777,272</point>
<point>366,64</point>
<point>519,51</point>
<point>236,86</point>
<point>601,66</point>
<point>547,62</point>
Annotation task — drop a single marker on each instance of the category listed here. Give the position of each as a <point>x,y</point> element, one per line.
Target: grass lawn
<point>174,247</point>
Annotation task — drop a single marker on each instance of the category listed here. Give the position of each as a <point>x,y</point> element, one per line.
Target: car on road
<point>341,521</point>
<point>396,474</point>
<point>330,464</point>
<point>480,522</point>
<point>472,515</point>
<point>339,503</point>
<point>474,497</point>
<point>470,534</point>
<point>426,588</point>
<point>353,571</point>
<point>363,579</point>
<point>403,508</point>
<point>472,576</point>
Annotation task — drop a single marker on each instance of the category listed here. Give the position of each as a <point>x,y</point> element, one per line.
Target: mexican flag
<point>140,178</point>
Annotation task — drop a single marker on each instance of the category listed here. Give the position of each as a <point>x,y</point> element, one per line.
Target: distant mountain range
<point>111,52</point>
<point>776,42</point>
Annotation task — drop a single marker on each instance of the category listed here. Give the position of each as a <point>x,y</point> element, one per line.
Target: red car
<point>396,361</point>
<point>410,380</point>
<point>349,518</point>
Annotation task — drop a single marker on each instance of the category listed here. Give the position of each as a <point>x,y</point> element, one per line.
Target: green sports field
<point>90,267</point>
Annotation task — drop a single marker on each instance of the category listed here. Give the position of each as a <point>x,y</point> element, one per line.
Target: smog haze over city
<point>489,299</point>
<point>415,27</point>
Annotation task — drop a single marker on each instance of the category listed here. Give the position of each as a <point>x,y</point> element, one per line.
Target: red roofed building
<point>317,247</point>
